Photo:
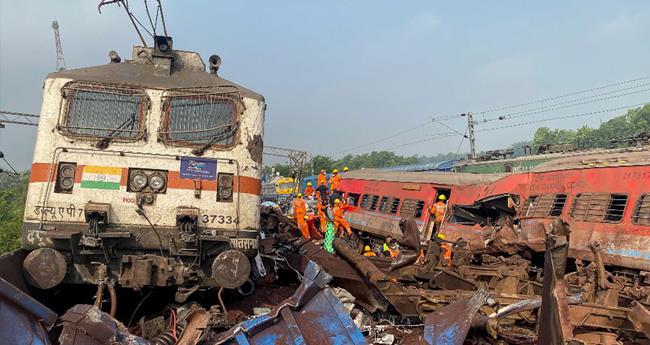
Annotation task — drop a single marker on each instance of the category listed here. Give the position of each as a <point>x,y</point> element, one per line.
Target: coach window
<point>412,208</point>
<point>353,199</point>
<point>394,206</point>
<point>544,205</point>
<point>206,120</point>
<point>641,215</point>
<point>384,204</point>
<point>599,207</point>
<point>373,202</point>
<point>103,111</point>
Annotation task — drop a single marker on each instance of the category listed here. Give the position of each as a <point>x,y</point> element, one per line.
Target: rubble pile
<point>301,293</point>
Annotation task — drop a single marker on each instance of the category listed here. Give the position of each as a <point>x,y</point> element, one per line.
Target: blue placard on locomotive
<point>198,168</point>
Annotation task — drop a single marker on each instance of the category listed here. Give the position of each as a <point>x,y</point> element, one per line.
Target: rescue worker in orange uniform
<point>322,178</point>
<point>322,216</point>
<point>438,212</point>
<point>335,180</point>
<point>340,224</point>
<point>299,213</point>
<point>445,250</point>
<point>346,169</point>
<point>367,251</point>
<point>304,228</point>
<point>321,181</point>
<point>309,190</point>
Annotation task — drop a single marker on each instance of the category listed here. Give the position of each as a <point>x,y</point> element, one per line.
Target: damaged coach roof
<point>423,177</point>
<point>605,160</point>
<point>186,70</point>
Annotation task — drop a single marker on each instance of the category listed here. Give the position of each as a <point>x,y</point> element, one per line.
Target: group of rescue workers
<point>332,198</point>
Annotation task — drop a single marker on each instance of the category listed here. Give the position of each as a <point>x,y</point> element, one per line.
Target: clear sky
<point>337,75</point>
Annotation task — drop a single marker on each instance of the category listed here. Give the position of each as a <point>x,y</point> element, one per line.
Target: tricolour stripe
<point>101,177</point>
<point>100,185</point>
<point>92,169</point>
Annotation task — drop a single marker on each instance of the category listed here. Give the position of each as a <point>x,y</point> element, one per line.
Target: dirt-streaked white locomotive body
<point>148,167</point>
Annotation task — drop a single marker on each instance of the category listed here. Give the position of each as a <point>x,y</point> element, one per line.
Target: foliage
<point>12,207</point>
<point>635,121</point>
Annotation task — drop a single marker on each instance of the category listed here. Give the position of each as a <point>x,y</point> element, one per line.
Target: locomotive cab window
<point>205,120</point>
<point>599,207</point>
<point>101,111</point>
<point>641,215</point>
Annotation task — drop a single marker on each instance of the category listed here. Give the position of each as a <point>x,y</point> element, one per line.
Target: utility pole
<point>472,138</point>
<point>60,61</point>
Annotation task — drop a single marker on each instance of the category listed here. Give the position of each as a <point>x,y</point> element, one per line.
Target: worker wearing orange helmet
<point>299,213</point>
<point>340,224</point>
<point>438,211</point>
<point>335,180</point>
<point>309,190</point>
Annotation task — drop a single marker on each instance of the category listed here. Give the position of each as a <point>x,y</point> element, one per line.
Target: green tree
<point>12,208</point>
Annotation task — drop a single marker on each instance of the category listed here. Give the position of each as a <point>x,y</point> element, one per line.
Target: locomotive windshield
<point>103,112</point>
<point>202,120</point>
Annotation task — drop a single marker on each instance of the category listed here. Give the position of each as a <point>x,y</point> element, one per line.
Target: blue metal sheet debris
<point>313,315</point>
<point>23,320</point>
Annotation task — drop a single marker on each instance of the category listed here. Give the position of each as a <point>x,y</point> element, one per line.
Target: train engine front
<point>147,172</point>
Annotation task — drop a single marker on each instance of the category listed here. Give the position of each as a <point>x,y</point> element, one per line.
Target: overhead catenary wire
<point>560,117</point>
<point>568,104</point>
<point>530,111</point>
<point>453,134</point>
<point>566,95</point>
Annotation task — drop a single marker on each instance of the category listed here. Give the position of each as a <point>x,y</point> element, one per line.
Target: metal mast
<point>472,138</point>
<point>60,61</point>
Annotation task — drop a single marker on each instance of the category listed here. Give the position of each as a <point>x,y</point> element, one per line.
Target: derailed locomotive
<point>148,169</point>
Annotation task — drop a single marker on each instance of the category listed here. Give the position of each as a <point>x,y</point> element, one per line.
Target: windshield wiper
<point>103,144</point>
<point>217,137</point>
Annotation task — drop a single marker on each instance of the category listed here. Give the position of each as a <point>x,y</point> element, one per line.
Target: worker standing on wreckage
<point>438,211</point>
<point>341,225</point>
<point>309,190</point>
<point>321,189</point>
<point>299,215</point>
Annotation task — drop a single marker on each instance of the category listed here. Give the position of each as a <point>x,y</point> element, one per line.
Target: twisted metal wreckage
<point>347,298</point>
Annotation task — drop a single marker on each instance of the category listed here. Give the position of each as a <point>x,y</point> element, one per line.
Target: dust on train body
<point>149,166</point>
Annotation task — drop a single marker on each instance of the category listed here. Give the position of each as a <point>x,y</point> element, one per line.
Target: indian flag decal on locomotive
<point>98,177</point>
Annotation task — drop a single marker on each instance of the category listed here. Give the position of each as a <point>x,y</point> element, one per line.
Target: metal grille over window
<point>384,204</point>
<point>100,111</point>
<point>544,205</point>
<point>374,200</point>
<point>202,120</point>
<point>641,214</point>
<point>599,207</point>
<point>412,208</point>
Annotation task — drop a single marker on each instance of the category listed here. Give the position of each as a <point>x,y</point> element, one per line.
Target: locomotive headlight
<point>65,177</point>
<point>138,181</point>
<point>225,187</point>
<point>157,182</point>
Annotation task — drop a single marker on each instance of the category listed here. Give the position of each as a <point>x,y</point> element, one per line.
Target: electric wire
<point>528,112</point>
<point>566,95</point>
<point>560,117</point>
<point>566,104</point>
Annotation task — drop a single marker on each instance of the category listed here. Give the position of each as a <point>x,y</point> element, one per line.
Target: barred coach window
<point>102,111</point>
<point>202,120</point>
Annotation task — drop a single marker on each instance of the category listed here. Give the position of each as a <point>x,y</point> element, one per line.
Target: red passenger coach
<point>381,198</point>
<point>605,199</point>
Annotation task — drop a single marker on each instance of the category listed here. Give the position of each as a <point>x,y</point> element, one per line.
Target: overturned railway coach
<point>148,167</point>
<point>605,199</point>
